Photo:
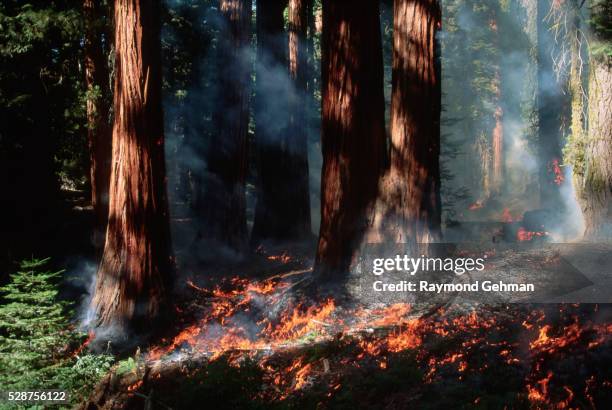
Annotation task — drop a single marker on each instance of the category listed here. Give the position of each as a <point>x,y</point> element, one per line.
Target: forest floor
<point>251,334</point>
<point>256,341</point>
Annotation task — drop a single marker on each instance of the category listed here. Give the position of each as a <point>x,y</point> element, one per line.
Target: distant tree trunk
<point>551,107</point>
<point>597,179</point>
<point>498,151</point>
<point>99,131</point>
<point>299,195</point>
<point>136,267</point>
<point>224,201</point>
<point>497,140</point>
<point>283,204</point>
<point>353,129</point>
<point>409,207</point>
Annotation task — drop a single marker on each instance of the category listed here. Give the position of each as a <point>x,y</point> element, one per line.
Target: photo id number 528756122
<point>35,396</point>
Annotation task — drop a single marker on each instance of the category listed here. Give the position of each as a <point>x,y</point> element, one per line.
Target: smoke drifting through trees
<point>518,170</point>
<point>492,113</point>
<point>224,202</point>
<point>283,208</point>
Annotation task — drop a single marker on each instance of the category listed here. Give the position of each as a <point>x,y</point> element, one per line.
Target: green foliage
<point>222,386</point>
<point>127,366</point>
<point>41,88</point>
<point>38,344</point>
<point>601,26</point>
<point>574,153</point>
<point>34,327</point>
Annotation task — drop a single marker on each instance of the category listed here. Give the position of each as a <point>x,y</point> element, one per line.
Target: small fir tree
<point>35,331</point>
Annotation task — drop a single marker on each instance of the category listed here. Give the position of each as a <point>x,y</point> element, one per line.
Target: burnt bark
<point>409,207</point>
<point>283,205</point>
<point>224,200</point>
<point>353,129</point>
<point>99,131</point>
<point>136,268</point>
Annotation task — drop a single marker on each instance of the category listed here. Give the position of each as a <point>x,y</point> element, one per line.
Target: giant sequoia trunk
<point>98,127</point>
<point>283,207</point>
<point>353,129</point>
<point>597,180</point>
<point>224,202</point>
<point>136,266</point>
<point>409,207</point>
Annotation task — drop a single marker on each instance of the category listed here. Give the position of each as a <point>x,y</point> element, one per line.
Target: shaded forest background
<point>490,77</point>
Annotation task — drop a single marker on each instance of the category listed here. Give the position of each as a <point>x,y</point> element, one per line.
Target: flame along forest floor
<point>261,344</point>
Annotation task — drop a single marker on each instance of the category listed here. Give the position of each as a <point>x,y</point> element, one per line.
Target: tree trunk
<point>597,179</point>
<point>136,267</point>
<point>299,198</point>
<point>224,201</point>
<point>283,204</point>
<point>353,129</point>
<point>551,106</point>
<point>497,140</point>
<point>573,151</point>
<point>99,131</point>
<point>409,207</point>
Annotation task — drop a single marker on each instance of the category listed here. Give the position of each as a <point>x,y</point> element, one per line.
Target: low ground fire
<point>314,351</point>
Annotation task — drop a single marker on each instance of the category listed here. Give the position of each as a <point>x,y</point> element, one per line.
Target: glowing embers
<point>555,170</point>
<point>523,234</point>
<point>90,336</point>
<point>303,345</point>
<point>519,229</point>
<point>247,315</point>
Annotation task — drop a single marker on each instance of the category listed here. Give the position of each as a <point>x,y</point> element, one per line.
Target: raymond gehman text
<point>477,286</point>
<point>412,265</point>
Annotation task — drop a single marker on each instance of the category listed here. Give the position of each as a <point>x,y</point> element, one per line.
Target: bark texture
<point>99,130</point>
<point>597,180</point>
<point>224,201</point>
<point>409,206</point>
<point>283,203</point>
<point>136,267</point>
<point>353,129</point>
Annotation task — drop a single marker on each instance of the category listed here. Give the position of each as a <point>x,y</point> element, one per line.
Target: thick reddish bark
<point>283,206</point>
<point>136,266</point>
<point>409,206</point>
<point>224,202</point>
<point>353,129</point>
<point>99,130</point>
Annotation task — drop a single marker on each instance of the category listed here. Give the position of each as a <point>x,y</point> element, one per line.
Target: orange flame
<point>555,169</point>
